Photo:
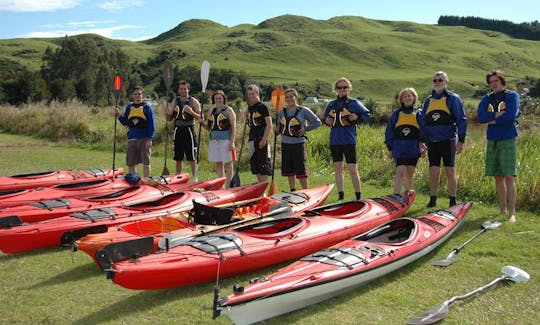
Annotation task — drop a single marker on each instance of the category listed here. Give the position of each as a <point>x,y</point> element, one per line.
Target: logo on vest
<point>406,131</point>
<point>435,117</point>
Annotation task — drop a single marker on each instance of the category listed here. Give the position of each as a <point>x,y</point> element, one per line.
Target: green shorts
<point>501,158</point>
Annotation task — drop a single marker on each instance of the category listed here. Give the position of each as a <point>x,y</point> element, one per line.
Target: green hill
<point>380,57</point>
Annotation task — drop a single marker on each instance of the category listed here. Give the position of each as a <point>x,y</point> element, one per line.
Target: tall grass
<point>90,127</point>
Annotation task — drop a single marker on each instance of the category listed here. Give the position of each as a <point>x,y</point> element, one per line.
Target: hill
<point>380,57</point>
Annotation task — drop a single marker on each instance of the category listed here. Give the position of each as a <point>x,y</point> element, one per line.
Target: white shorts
<point>219,151</point>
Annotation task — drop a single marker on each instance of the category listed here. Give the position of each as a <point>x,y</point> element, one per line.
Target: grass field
<point>57,286</point>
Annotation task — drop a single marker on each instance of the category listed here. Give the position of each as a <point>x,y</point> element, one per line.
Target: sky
<point>137,20</point>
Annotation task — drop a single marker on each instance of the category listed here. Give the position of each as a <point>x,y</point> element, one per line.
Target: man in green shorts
<point>499,109</point>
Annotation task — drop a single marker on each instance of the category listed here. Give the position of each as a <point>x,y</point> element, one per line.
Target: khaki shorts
<point>137,152</point>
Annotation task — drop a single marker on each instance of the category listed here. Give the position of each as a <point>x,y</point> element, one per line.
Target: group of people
<point>438,128</point>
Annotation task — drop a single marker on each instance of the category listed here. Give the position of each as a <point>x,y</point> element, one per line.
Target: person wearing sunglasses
<point>499,109</point>
<point>445,128</point>
<point>342,115</point>
<point>140,119</point>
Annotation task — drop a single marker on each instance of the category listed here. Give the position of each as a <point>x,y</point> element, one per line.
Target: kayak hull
<point>314,279</point>
<point>51,178</point>
<point>65,230</point>
<point>258,245</point>
<point>162,226</point>
<point>59,207</point>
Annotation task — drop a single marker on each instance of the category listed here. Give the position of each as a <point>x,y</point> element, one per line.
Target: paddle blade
<point>235,181</point>
<point>447,260</point>
<point>165,171</point>
<point>431,316</point>
<point>273,189</point>
<point>278,99</point>
<point>196,173</point>
<point>205,72</point>
<point>117,86</point>
<point>168,74</point>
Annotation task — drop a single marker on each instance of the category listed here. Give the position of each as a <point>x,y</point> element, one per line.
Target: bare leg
<point>146,170</point>
<point>262,178</point>
<point>228,171</point>
<point>400,175</point>
<point>434,174</point>
<point>501,193</point>
<point>338,174</point>
<point>355,177</point>
<point>511,197</point>
<point>292,181</point>
<point>193,164</point>
<point>132,169</point>
<point>303,182</point>
<point>409,177</point>
<point>179,167</point>
<point>452,180</point>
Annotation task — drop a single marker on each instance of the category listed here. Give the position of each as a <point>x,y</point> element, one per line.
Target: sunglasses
<point>342,87</point>
<point>438,80</point>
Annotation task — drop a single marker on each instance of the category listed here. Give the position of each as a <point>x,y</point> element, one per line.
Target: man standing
<point>499,109</point>
<point>445,130</point>
<point>260,125</point>
<point>186,109</point>
<point>141,122</point>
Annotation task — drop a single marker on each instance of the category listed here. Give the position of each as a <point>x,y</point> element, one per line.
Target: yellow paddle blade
<point>278,99</point>
<point>272,189</point>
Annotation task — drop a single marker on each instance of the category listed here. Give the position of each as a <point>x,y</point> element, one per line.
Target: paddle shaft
<point>235,181</point>
<point>167,78</point>
<point>475,291</point>
<point>457,249</point>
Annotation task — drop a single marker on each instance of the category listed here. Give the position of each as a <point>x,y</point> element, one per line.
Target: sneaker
<point>431,204</point>
<point>452,203</point>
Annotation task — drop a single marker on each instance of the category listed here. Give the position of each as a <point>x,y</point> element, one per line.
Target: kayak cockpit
<point>397,231</point>
<point>79,185</point>
<point>273,228</point>
<point>113,195</point>
<point>166,200</point>
<point>341,210</point>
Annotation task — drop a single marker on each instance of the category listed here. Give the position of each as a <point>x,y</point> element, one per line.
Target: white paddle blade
<point>205,72</point>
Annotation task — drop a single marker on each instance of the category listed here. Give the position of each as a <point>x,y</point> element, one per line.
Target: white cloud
<point>118,5</point>
<point>106,31</point>
<point>37,5</point>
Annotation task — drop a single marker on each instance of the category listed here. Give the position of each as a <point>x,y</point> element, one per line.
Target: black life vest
<point>407,127</point>
<point>219,121</point>
<point>179,113</point>
<point>341,115</point>
<point>437,112</point>
<point>497,104</point>
<point>136,118</point>
<point>290,125</point>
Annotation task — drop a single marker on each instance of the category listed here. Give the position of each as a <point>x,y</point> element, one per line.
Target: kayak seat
<point>208,215</point>
<point>271,227</point>
<point>393,232</point>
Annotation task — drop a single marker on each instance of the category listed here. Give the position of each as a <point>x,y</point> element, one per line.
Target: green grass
<point>56,286</point>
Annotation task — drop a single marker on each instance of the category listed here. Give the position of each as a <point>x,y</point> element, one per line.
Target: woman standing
<point>292,123</point>
<point>222,127</point>
<point>403,138</point>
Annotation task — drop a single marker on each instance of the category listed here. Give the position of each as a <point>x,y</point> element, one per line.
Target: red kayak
<point>343,267</point>
<point>197,260</point>
<point>51,178</point>
<point>81,188</point>
<point>65,230</point>
<point>142,237</point>
<point>59,207</point>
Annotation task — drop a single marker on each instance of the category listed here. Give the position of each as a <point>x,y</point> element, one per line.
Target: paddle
<point>486,225</point>
<point>235,180</point>
<point>168,76</point>
<point>117,86</point>
<point>279,210</point>
<point>438,313</point>
<point>205,72</point>
<point>278,101</point>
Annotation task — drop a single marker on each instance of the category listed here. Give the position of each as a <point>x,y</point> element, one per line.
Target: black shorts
<point>293,160</point>
<point>185,143</point>
<point>260,160</point>
<point>347,150</point>
<point>405,161</point>
<point>442,150</point>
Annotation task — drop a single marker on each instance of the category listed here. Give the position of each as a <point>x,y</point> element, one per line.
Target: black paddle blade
<point>235,181</point>
<point>124,250</point>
